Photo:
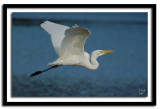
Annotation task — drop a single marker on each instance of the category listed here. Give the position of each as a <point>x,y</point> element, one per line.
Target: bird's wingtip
<point>44,23</point>
<point>75,26</point>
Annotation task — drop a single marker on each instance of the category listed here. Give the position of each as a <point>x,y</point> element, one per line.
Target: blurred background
<point>120,74</point>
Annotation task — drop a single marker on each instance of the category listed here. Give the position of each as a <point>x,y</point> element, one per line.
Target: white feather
<point>57,33</point>
<point>69,45</point>
<point>73,42</point>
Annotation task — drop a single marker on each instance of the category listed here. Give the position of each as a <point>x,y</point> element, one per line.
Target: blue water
<point>121,74</point>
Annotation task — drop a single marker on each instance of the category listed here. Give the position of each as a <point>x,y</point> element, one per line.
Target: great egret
<point>68,43</point>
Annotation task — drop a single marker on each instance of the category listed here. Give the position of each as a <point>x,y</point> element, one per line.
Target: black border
<point>153,63</point>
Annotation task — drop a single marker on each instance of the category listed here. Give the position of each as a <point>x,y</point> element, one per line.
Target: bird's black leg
<point>39,72</point>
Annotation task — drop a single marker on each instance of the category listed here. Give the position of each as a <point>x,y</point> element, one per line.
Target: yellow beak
<point>107,51</point>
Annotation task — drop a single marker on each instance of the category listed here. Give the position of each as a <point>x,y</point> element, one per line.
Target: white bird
<point>68,43</point>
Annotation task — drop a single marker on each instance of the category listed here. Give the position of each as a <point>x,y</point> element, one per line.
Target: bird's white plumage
<point>66,40</point>
<point>74,40</point>
<point>57,33</point>
<point>69,45</point>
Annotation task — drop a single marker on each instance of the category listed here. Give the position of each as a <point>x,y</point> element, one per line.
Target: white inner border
<point>76,99</point>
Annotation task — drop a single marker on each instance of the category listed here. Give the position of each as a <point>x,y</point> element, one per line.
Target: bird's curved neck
<point>94,63</point>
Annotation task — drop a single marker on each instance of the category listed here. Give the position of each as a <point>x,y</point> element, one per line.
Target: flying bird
<point>68,43</point>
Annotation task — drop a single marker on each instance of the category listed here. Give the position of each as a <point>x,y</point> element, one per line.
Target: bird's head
<point>98,53</point>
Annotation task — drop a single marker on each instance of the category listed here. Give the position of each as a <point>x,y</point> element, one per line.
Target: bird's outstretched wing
<point>74,40</point>
<point>57,33</point>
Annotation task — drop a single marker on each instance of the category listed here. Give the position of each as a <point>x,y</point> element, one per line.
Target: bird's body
<point>80,60</point>
<point>68,43</point>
